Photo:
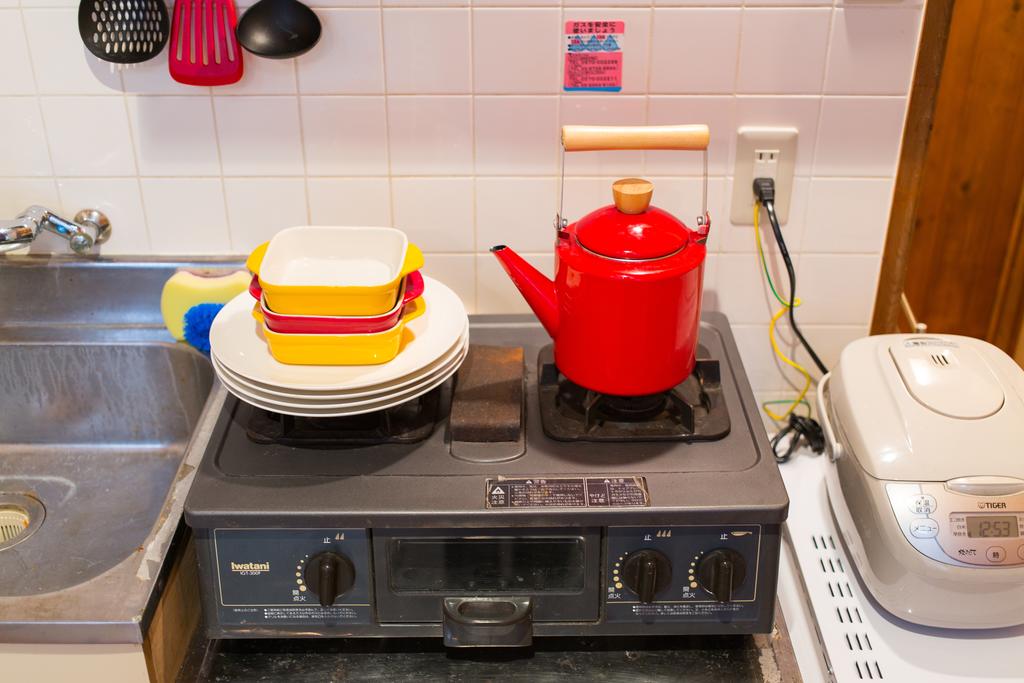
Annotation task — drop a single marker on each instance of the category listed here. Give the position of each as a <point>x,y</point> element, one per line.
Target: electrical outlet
<point>766,163</point>
<point>762,153</point>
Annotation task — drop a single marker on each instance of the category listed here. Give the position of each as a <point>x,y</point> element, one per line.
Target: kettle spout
<point>538,291</point>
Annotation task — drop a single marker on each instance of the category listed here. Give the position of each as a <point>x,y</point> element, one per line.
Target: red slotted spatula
<point>203,48</point>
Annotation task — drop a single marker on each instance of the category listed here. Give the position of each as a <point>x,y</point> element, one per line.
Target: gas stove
<point>505,504</point>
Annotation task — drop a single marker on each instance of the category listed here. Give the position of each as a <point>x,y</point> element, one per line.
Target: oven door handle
<point>489,622</point>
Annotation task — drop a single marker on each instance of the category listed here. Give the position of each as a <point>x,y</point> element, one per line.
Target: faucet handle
<point>98,221</point>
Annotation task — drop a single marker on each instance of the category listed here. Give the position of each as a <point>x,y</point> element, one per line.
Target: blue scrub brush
<point>198,320</point>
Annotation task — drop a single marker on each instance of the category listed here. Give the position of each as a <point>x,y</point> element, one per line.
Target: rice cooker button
<point>1020,552</point>
<point>995,554</point>
<point>924,528</point>
<point>922,504</point>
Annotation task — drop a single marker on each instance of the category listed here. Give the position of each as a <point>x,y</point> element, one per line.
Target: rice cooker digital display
<point>989,526</point>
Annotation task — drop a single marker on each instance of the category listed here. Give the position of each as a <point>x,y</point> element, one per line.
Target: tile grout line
<point>515,176</point>
<point>138,172</point>
<point>387,112</point>
<point>471,15</point>
<point>220,164</point>
<point>648,76</point>
<point>302,143</point>
<point>538,4</point>
<point>55,186</point>
<point>560,87</point>
<point>727,186</point>
<point>821,105</point>
<point>508,95</point>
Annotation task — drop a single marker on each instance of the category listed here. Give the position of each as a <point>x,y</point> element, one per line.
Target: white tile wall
<point>89,136</point>
<point>436,212</point>
<point>531,70</point>
<point>859,136</point>
<point>349,201</point>
<point>516,134</point>
<point>26,152</point>
<point>502,216</point>
<point>173,136</point>
<point>185,215</point>
<point>259,135</point>
<point>16,76</point>
<point>258,207</point>
<point>441,117</point>
<point>355,40</point>
<point>18,193</point>
<point>865,42</point>
<point>783,50</point>
<point>345,136</point>
<point>847,215</point>
<point>431,135</point>
<point>427,50</point>
<point>682,57</point>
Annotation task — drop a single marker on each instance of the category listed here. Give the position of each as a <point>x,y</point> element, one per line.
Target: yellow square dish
<point>334,270</point>
<point>341,349</point>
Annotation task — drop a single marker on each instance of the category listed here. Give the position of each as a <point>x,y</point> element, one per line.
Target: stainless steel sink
<point>96,434</point>
<point>103,419</point>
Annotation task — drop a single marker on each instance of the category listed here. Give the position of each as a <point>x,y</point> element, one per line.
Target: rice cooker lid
<point>929,407</point>
<point>948,378</point>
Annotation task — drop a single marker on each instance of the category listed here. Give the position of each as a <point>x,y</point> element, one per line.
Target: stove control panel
<point>681,573</point>
<point>289,577</point>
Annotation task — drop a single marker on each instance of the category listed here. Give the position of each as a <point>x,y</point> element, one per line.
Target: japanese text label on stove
<point>572,492</point>
<point>593,55</point>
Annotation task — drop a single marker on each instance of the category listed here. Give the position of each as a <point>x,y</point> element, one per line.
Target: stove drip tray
<point>408,423</point>
<point>692,411</point>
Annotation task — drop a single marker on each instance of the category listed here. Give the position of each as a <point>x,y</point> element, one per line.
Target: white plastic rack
<point>841,634</point>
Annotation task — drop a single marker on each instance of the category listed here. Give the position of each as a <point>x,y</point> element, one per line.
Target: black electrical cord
<point>800,427</point>
<point>764,190</point>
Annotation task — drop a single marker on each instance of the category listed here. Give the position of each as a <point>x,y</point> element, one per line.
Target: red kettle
<point>624,308</point>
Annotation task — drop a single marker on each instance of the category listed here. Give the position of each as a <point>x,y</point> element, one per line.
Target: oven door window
<point>487,565</point>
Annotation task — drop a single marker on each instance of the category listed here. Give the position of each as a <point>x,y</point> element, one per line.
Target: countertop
<point>767,658</point>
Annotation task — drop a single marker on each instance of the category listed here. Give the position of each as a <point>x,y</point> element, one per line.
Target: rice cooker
<point>926,438</point>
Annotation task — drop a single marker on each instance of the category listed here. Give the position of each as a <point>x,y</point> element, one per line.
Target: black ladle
<point>278,29</point>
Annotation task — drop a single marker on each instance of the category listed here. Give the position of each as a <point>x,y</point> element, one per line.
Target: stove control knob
<point>647,573</point>
<point>720,572</point>
<point>329,576</point>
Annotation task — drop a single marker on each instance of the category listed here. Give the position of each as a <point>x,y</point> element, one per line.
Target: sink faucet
<point>89,228</point>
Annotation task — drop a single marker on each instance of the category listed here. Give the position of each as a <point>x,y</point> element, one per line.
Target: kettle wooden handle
<point>593,138</point>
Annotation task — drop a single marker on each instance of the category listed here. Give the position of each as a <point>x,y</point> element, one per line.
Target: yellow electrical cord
<point>771,329</point>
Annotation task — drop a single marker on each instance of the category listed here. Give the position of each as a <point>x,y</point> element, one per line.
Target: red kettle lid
<point>632,229</point>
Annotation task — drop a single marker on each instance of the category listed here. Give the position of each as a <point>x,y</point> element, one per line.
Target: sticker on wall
<point>593,55</point>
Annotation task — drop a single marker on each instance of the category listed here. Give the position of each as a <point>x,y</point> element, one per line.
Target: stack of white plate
<point>437,345</point>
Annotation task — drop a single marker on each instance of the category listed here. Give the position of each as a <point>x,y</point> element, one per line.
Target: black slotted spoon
<point>123,31</point>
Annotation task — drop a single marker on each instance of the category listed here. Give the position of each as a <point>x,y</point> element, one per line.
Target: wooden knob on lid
<point>632,195</point>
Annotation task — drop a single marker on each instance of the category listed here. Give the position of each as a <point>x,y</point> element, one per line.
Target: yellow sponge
<point>184,289</point>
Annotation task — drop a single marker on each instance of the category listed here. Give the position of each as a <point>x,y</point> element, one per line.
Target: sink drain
<point>13,523</point>
<point>20,517</point>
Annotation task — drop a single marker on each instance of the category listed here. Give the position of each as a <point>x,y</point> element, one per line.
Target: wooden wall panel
<point>888,316</point>
<point>971,181</point>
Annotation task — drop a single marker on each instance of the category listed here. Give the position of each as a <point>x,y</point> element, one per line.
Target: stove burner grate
<point>408,423</point>
<point>692,411</point>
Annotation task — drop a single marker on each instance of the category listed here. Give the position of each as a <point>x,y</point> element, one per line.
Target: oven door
<point>416,569</point>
